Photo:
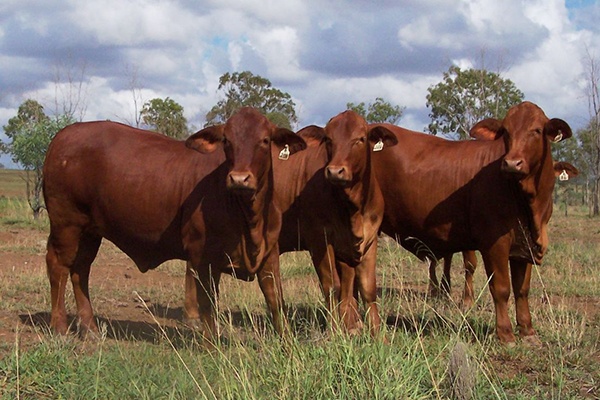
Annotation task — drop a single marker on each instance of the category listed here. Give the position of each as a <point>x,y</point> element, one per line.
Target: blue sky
<point>323,53</point>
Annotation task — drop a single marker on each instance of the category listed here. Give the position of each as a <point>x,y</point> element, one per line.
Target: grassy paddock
<point>250,362</point>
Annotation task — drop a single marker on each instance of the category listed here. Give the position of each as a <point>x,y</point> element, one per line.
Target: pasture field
<point>146,352</point>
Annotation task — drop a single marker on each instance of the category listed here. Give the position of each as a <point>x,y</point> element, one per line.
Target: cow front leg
<point>434,284</point>
<point>366,280</point>
<point>348,298</point>
<point>446,279</point>
<point>496,267</point>
<point>191,313</point>
<point>521,282</point>
<point>470,265</point>
<point>269,280</point>
<point>204,281</point>
<point>323,259</point>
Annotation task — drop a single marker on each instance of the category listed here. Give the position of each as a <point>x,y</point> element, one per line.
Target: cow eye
<point>266,141</point>
<point>360,140</point>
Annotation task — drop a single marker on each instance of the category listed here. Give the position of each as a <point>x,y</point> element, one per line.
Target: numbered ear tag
<point>284,154</point>
<point>563,176</point>
<point>378,146</point>
<point>558,137</point>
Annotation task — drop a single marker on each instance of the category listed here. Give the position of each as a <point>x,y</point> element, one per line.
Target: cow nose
<point>240,181</point>
<point>513,166</point>
<point>337,174</point>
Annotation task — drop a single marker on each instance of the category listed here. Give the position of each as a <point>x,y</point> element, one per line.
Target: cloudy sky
<point>323,53</point>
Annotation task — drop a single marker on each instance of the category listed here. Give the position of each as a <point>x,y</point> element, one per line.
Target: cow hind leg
<point>70,253</point>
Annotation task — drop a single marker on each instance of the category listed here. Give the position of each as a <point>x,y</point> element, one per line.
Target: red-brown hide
<point>332,207</point>
<point>494,196</point>
<point>208,200</point>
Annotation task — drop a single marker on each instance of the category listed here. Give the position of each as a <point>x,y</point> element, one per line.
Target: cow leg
<point>446,280</point>
<point>470,264</point>
<point>348,298</point>
<point>367,286</point>
<point>69,253</point>
<point>496,267</point>
<point>205,280</point>
<point>323,259</point>
<point>191,313</point>
<point>434,285</point>
<point>269,279</point>
<point>521,282</point>
<point>80,273</point>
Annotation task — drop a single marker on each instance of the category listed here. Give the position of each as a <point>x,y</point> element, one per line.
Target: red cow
<point>332,207</point>
<point>336,222</point>
<point>494,196</point>
<point>158,199</point>
<point>561,169</point>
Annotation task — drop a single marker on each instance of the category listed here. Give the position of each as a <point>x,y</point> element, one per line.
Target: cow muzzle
<point>241,182</point>
<point>516,167</point>
<point>338,175</point>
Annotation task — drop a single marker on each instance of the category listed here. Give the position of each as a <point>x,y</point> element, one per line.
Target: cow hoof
<point>532,341</point>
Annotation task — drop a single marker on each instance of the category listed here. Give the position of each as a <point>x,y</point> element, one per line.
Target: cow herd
<point>233,197</point>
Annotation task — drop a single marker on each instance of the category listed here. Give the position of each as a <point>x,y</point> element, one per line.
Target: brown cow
<point>494,196</point>
<point>337,223</point>
<point>562,169</point>
<point>158,199</point>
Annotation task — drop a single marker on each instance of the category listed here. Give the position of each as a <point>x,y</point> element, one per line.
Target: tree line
<point>462,98</point>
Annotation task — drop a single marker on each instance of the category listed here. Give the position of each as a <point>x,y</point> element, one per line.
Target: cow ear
<point>206,140</point>
<point>382,134</point>
<point>562,167</point>
<point>488,129</point>
<point>557,130</point>
<point>282,137</point>
<point>313,135</point>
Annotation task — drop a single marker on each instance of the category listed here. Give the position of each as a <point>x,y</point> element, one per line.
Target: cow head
<point>246,138</point>
<point>527,132</point>
<point>350,140</point>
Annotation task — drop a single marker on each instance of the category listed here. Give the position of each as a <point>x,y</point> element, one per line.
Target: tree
<point>593,130</point>
<point>165,116</point>
<point>31,131</point>
<point>29,112</point>
<point>378,112</point>
<point>465,97</point>
<point>244,89</point>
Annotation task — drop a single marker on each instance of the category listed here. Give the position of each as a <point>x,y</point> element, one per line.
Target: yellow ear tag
<point>563,176</point>
<point>284,154</point>
<point>558,137</point>
<point>378,146</point>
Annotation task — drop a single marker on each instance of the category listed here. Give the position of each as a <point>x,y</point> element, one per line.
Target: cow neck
<point>359,198</point>
<point>535,193</point>
<point>538,188</point>
<point>255,211</point>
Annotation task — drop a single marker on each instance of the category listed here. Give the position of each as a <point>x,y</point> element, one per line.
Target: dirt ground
<point>112,271</point>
